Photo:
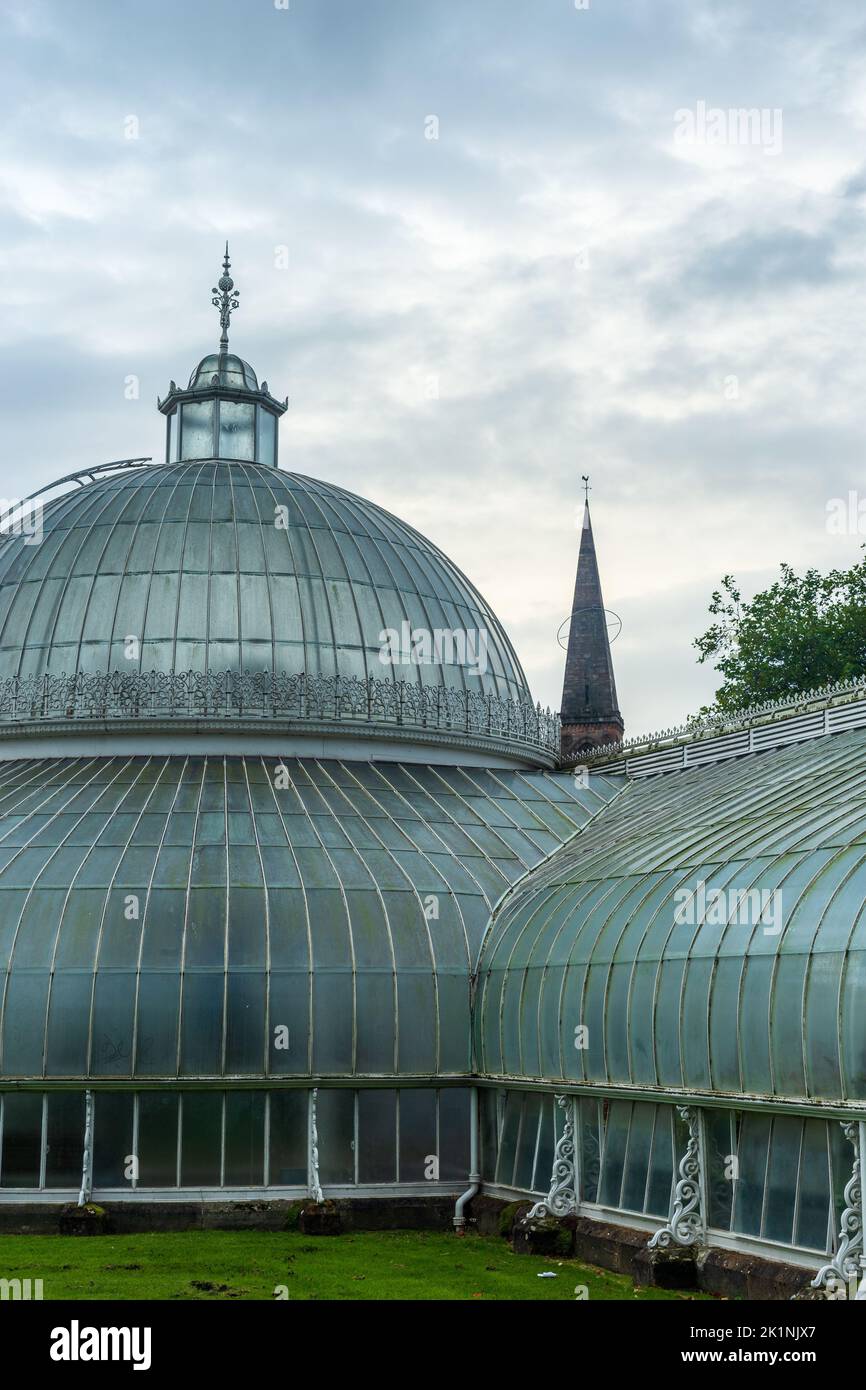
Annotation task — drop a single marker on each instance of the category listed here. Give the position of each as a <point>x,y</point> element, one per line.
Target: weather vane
<point>586,487</point>
<point>225,298</point>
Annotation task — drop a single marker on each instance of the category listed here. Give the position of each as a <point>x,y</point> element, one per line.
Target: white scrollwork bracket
<point>686,1225</point>
<point>314,1184</point>
<point>844,1269</point>
<point>562,1197</point>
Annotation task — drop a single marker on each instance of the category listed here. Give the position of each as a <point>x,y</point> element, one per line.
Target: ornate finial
<point>586,487</point>
<point>225,298</point>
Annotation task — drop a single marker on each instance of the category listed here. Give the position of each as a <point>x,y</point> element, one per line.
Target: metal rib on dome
<point>198,570</point>
<point>636,931</point>
<point>161,917</point>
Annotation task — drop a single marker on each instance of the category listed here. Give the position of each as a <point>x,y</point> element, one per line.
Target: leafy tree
<point>803,631</point>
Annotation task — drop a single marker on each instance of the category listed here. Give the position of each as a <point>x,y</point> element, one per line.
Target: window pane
<point>335,1122</point>
<point>245,1138</point>
<point>453,1134</point>
<point>508,1138</point>
<point>523,1168</point>
<point>288,1128</point>
<point>590,1163</point>
<point>267,441</point>
<point>157,1139</point>
<point>65,1139</point>
<point>418,1134</point>
<point>751,1176</point>
<point>112,1138</point>
<point>236,430</point>
<point>201,1139</point>
<point>22,1140</point>
<point>197,441</point>
<point>638,1156</point>
<point>814,1206</point>
<point>782,1171</point>
<point>616,1134</point>
<point>720,1169</point>
<point>377,1136</point>
<point>546,1144</point>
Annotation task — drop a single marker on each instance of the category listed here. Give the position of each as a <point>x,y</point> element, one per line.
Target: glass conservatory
<point>294,904</point>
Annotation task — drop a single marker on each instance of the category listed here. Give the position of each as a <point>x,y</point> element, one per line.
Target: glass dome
<point>223,369</point>
<point>233,589</point>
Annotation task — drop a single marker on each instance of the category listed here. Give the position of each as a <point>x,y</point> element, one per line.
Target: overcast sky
<point>571,277</point>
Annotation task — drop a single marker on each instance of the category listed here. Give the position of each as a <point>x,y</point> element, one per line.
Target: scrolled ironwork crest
<point>686,1225</point>
<point>562,1197</point>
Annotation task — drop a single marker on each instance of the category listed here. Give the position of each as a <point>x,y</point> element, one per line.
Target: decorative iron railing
<point>264,694</point>
<point>829,709</point>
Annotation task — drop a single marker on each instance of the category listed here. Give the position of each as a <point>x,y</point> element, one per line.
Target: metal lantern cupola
<point>223,413</point>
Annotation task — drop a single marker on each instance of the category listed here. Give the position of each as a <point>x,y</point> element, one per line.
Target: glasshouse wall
<point>773,1178</point>
<point>202,1141</point>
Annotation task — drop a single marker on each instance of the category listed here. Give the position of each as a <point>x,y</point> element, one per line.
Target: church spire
<point>590,714</point>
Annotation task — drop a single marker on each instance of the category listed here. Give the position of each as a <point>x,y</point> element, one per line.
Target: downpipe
<point>474,1174</point>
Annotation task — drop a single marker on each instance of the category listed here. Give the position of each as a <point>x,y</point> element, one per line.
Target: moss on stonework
<point>508,1216</point>
<point>293,1216</point>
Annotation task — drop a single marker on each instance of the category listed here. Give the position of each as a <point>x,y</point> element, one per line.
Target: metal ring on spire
<point>609,614</point>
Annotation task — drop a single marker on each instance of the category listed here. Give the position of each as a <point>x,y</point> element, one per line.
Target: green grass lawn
<point>250,1265</point>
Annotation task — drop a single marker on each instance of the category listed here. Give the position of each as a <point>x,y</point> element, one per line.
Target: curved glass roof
<point>164,917</point>
<point>229,370</point>
<point>639,932</point>
<point>215,567</point>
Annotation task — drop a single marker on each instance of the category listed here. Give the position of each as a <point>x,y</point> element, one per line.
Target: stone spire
<point>590,714</point>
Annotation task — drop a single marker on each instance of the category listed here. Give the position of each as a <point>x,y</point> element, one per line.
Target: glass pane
<point>546,1144</point>
<point>335,1122</point>
<point>112,1139</point>
<point>590,1163</point>
<point>658,1197</point>
<point>525,1164</point>
<point>68,1023</point>
<point>508,1138</point>
<point>782,1171</point>
<point>814,1204</point>
<point>489,1118</point>
<point>22,1140</point>
<point>288,1144</point>
<point>638,1157</point>
<point>65,1139</point>
<point>615,1137</point>
<point>453,1134</point>
<point>267,440</point>
<point>377,1136</point>
<point>720,1168</point>
<point>245,1139</point>
<point>201,1139</point>
<point>197,441</point>
<point>157,1139</point>
<point>751,1176</point>
<point>418,1135</point>
<point>237,440</point>
<point>202,1024</point>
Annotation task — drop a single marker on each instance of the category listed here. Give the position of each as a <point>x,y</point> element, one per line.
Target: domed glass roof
<point>214,567</point>
<point>160,916</point>
<point>707,929</point>
<point>223,369</point>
